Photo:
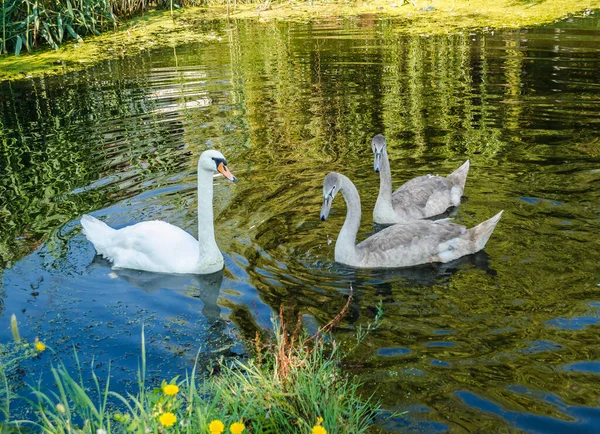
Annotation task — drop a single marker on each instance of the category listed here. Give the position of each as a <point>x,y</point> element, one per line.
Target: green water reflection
<point>464,346</point>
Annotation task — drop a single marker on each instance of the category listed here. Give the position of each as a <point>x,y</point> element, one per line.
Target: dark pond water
<point>505,340</point>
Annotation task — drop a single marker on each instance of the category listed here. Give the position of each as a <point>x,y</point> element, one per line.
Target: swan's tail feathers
<point>97,232</point>
<point>481,233</point>
<point>459,176</point>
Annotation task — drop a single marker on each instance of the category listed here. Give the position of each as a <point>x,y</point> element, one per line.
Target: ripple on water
<point>574,323</point>
<point>592,367</point>
<point>393,352</point>
<point>567,418</point>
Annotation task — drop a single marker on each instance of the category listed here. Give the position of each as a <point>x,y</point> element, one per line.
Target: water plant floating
<point>403,244</point>
<point>160,246</point>
<point>421,197</point>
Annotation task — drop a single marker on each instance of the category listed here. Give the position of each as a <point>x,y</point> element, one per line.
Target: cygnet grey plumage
<point>400,245</point>
<point>419,198</point>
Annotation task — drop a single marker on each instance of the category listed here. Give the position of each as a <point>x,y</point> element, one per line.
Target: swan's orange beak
<point>225,172</point>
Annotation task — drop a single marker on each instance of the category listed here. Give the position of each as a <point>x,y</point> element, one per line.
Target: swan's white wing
<point>153,246</point>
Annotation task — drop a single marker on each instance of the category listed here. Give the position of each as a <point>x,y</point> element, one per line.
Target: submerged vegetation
<point>27,24</point>
<point>294,384</point>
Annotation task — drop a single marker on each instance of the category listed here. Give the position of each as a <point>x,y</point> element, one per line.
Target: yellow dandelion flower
<point>170,389</point>
<point>40,346</point>
<point>318,429</point>
<point>216,427</point>
<point>319,420</point>
<point>167,419</point>
<point>237,428</point>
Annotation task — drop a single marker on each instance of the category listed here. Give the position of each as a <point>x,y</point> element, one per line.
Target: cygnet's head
<point>378,145</point>
<point>214,161</point>
<point>331,186</point>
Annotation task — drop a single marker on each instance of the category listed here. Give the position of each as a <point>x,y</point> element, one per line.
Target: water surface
<point>507,339</point>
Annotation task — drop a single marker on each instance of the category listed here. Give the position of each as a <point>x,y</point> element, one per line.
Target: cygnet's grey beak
<point>377,162</point>
<point>326,207</point>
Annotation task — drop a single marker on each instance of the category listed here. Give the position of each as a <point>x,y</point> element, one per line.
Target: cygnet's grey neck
<point>385,180</point>
<point>345,246</point>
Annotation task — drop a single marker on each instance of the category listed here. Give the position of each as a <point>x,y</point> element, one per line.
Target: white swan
<point>422,197</point>
<point>403,244</point>
<point>159,246</point>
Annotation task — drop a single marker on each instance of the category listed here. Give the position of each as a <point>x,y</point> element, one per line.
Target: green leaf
<point>47,35</point>
<point>73,33</point>
<point>60,29</point>
<point>19,45</point>
<point>70,9</point>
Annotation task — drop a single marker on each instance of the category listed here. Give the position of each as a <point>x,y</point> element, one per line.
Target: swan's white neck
<point>345,246</point>
<point>210,255</point>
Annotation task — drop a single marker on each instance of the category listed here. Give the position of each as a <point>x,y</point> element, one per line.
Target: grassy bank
<point>293,383</point>
<point>161,28</point>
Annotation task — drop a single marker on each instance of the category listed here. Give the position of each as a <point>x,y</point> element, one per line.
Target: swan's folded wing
<point>424,233</point>
<point>152,246</point>
<point>418,191</point>
<point>411,183</point>
<point>156,236</point>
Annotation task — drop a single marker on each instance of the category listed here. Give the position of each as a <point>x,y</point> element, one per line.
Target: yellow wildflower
<point>318,429</point>
<point>216,427</point>
<point>167,419</point>
<point>237,428</point>
<point>40,346</point>
<point>319,420</point>
<point>171,389</point>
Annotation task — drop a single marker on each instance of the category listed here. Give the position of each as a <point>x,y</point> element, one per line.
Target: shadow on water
<point>429,274</point>
<point>205,288</point>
